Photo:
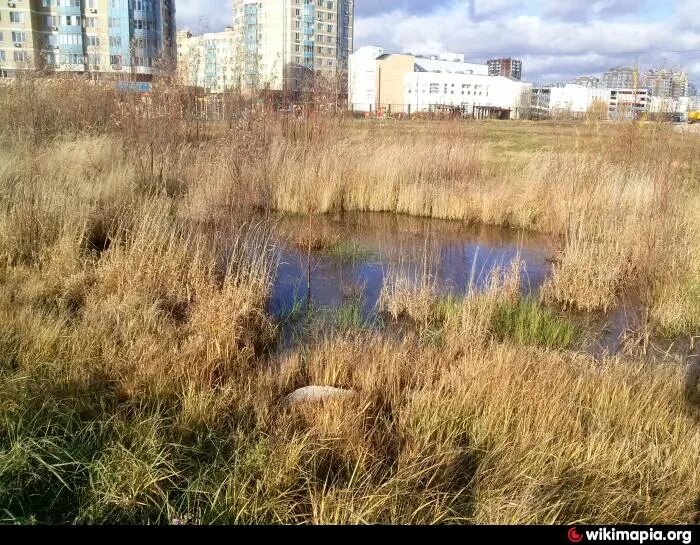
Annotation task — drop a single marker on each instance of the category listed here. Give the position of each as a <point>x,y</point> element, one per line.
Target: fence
<point>410,111</point>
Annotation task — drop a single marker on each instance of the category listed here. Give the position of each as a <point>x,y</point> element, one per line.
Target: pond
<point>353,254</point>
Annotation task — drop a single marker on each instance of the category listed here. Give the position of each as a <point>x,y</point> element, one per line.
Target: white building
<point>409,84</point>
<point>209,61</point>
<point>286,41</point>
<point>577,100</point>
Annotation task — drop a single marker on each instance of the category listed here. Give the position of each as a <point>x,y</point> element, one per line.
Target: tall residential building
<point>621,77</point>
<point>680,86</point>
<point>508,68</point>
<point>587,81</point>
<point>100,36</point>
<point>659,83</point>
<point>692,90</point>
<point>209,61</point>
<point>284,41</point>
<point>666,84</point>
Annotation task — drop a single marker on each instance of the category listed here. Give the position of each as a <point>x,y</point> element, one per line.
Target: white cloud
<point>549,47</point>
<point>216,14</point>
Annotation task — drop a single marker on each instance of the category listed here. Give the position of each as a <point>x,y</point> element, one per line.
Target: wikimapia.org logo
<point>630,536</point>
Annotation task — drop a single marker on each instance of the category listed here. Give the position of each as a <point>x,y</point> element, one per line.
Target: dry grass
<point>138,380</point>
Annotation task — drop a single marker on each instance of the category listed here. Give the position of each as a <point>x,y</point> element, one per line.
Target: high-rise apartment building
<point>284,41</point>
<point>101,36</point>
<point>666,84</point>
<point>209,61</point>
<point>587,81</point>
<point>680,86</point>
<point>621,77</point>
<point>508,68</point>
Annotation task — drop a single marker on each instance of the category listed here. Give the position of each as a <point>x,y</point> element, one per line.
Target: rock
<point>312,394</point>
<point>692,383</point>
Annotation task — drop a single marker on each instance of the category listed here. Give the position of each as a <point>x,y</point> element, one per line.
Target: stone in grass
<point>312,394</point>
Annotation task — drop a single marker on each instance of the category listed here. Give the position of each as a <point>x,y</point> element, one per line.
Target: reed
<point>139,381</point>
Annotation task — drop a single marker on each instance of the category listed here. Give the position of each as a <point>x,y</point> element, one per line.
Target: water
<point>353,255</point>
<point>368,247</point>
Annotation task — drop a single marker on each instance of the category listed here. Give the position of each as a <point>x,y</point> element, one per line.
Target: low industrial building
<point>578,101</point>
<point>406,83</point>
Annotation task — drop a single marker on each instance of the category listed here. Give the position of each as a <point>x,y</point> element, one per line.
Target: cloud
<point>557,39</point>
<point>585,10</point>
<point>216,13</point>
<point>552,47</point>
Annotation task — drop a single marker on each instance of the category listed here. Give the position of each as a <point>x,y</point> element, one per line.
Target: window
<point>434,88</point>
<point>21,56</point>
<point>16,17</point>
<point>19,37</point>
<point>2,55</point>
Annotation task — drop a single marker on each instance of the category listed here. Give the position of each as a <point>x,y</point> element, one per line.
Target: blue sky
<point>557,39</point>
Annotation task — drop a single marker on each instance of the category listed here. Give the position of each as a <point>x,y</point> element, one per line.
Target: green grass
<point>348,316</point>
<point>527,322</point>
<point>350,250</point>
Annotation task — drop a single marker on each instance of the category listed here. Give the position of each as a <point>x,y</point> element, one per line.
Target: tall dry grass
<point>138,377</point>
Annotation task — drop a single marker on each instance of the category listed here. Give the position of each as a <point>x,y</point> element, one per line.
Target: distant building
<point>284,41</point>
<point>88,36</point>
<point>508,68</point>
<point>587,81</point>
<point>680,85</point>
<point>578,100</point>
<point>620,78</point>
<point>666,84</point>
<point>405,83</point>
<point>540,101</point>
<point>628,103</point>
<point>692,90</point>
<point>210,61</point>
<point>659,83</point>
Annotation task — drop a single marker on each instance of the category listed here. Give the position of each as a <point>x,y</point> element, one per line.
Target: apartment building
<point>587,81</point>
<point>621,77</point>
<point>405,83</point>
<point>96,36</point>
<point>210,61</point>
<point>283,42</point>
<point>508,68</point>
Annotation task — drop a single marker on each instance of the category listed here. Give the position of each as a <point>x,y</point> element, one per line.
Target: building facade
<point>96,36</point>
<point>578,100</point>
<point>621,77</point>
<point>210,61</point>
<point>587,81</point>
<point>404,83</point>
<point>283,42</point>
<point>666,84</point>
<point>508,68</point>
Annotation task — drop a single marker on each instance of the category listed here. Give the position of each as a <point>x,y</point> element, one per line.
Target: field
<point>142,379</point>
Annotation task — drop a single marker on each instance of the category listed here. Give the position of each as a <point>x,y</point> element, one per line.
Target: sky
<point>556,39</point>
